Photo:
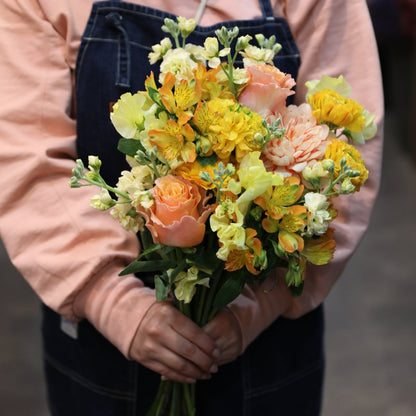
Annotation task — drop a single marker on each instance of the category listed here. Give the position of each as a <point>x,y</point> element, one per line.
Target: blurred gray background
<point>370,314</point>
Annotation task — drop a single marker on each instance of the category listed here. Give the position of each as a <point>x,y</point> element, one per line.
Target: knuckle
<point>183,367</point>
<point>189,350</point>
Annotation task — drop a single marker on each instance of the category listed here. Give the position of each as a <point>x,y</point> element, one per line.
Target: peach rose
<point>177,217</point>
<point>267,89</point>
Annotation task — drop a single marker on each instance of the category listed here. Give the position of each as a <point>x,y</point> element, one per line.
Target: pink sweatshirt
<point>71,254</point>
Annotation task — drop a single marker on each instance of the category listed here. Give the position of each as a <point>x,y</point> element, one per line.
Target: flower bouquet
<point>227,182</point>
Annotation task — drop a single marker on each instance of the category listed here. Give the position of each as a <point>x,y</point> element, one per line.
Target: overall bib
<point>281,372</point>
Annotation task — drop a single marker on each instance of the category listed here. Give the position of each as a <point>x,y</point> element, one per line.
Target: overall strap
<point>266,8</point>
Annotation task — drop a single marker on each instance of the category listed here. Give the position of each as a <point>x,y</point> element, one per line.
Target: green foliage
<point>130,146</point>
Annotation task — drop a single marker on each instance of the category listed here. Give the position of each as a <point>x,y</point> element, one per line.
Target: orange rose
<point>177,217</point>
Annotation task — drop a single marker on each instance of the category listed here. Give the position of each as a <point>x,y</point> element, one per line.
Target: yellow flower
<point>186,25</point>
<point>227,222</point>
<point>320,250</point>
<point>290,242</point>
<point>180,101</point>
<point>123,213</point>
<point>191,171</point>
<point>254,179</point>
<point>129,113</point>
<point>338,149</point>
<point>339,85</point>
<point>185,284</point>
<point>331,107</point>
<point>159,50</point>
<point>281,200</point>
<point>229,127</point>
<point>174,141</point>
<point>102,201</point>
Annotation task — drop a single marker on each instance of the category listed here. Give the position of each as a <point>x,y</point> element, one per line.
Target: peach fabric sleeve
<point>334,37</point>
<point>69,253</point>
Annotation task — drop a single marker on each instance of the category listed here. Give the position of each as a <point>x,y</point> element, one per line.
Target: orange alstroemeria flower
<point>290,242</point>
<point>237,259</point>
<point>320,250</point>
<point>175,140</point>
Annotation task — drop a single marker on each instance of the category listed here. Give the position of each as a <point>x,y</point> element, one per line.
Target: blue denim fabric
<point>281,373</point>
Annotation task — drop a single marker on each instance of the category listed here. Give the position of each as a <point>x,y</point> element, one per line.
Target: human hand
<point>225,330</point>
<point>171,344</point>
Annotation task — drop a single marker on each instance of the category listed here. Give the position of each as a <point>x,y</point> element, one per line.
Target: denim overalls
<point>281,373</point>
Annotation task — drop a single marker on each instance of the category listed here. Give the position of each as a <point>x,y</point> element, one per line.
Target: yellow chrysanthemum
<point>338,149</point>
<point>229,127</point>
<point>191,171</point>
<point>331,107</point>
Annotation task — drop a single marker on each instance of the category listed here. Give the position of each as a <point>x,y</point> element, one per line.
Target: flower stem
<point>209,309</point>
<point>189,402</point>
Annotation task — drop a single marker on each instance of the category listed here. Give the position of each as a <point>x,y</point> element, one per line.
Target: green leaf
<point>296,290</point>
<point>154,95</point>
<point>206,260</point>
<point>207,160</point>
<point>147,266</point>
<point>231,288</point>
<point>151,249</point>
<point>162,288</point>
<point>130,146</point>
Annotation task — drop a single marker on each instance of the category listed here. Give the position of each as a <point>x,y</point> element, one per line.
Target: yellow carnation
<point>331,107</point>
<point>338,149</point>
<point>231,127</point>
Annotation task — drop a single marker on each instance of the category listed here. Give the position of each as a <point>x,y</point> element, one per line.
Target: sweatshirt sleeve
<point>335,37</point>
<point>69,253</point>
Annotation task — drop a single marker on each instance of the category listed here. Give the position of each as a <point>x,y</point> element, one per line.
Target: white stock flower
<point>179,62</point>
<point>254,55</point>
<point>102,201</point>
<point>318,215</point>
<point>196,52</point>
<point>186,26</point>
<point>314,171</point>
<point>122,213</point>
<point>135,181</point>
<point>159,50</point>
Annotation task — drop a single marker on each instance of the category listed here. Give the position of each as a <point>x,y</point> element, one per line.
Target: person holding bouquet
<point>107,340</point>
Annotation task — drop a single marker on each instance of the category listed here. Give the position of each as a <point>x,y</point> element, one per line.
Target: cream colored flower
<point>136,184</point>
<point>186,26</point>
<point>129,113</point>
<point>254,179</point>
<point>185,284</point>
<point>130,222</point>
<point>159,50</point>
<point>102,201</point>
<point>179,62</point>
<point>197,52</point>
<point>212,53</point>
<point>253,55</point>
<point>318,215</point>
